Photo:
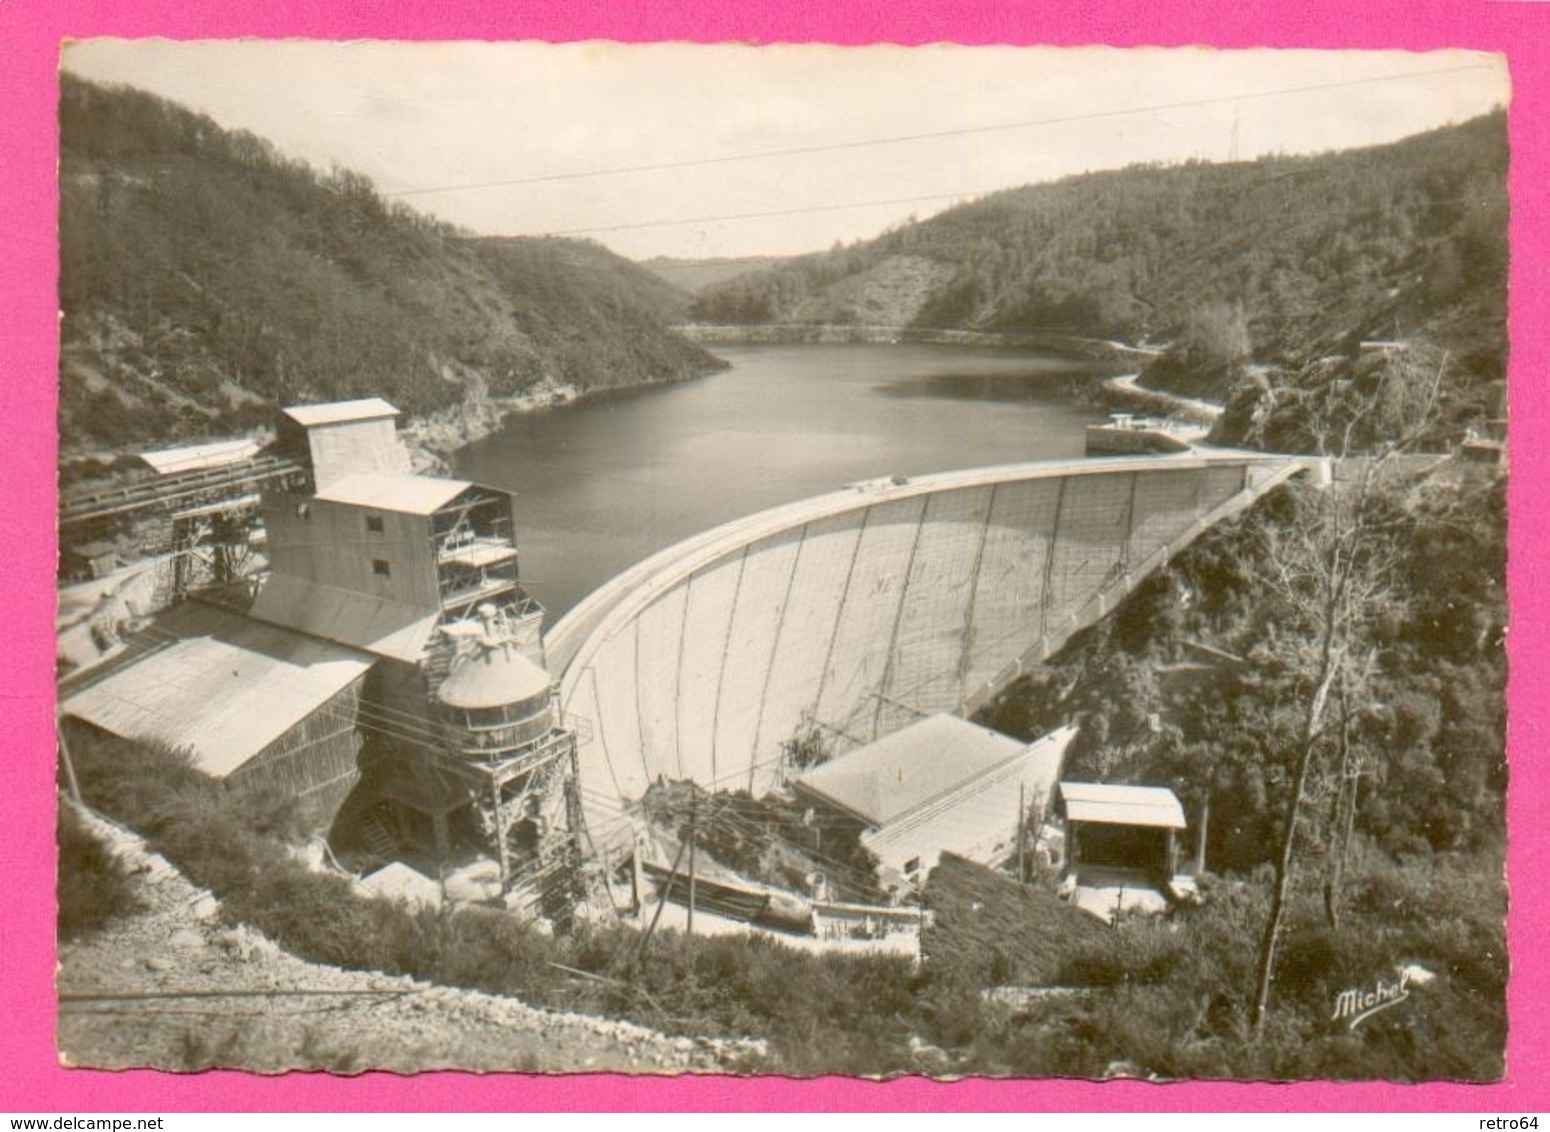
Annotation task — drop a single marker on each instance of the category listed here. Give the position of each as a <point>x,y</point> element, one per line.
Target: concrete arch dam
<point>856,612</point>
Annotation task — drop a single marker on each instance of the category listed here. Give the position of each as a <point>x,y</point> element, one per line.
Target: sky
<point>447,127</point>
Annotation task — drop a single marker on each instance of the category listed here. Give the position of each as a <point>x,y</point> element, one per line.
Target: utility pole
<point>1022,835</point>
<point>694,814</point>
<point>1201,834</point>
<point>64,755</point>
<point>661,902</point>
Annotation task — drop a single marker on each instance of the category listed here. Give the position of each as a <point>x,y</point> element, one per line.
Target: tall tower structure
<point>466,756</point>
<point>501,733</point>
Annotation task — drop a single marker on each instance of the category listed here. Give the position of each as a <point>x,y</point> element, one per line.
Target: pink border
<point>30,32</point>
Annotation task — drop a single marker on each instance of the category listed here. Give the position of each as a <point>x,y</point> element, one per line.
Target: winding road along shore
<point>1192,408</point>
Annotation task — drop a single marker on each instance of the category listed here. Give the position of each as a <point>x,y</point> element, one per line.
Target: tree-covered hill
<point>205,278</point>
<point>691,275</point>
<point>1296,254</point>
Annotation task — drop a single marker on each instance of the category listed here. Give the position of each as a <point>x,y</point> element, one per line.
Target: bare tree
<point>1342,787</point>
<point>1332,572</point>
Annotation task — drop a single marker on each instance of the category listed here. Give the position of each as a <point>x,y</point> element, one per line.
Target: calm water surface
<point>604,483</point>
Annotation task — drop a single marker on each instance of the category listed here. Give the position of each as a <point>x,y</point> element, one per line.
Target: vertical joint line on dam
<point>678,677</point>
<point>602,738</point>
<point>769,669</point>
<point>726,652</point>
<point>839,614</point>
<point>1049,559</point>
<point>966,659</point>
<point>898,618</point>
<point>1130,526</point>
<point>640,720</point>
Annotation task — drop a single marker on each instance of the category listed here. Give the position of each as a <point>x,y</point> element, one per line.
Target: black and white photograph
<point>784,560</point>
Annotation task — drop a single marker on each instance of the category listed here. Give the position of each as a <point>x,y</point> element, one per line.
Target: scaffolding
<point>212,545</point>
<point>518,764</point>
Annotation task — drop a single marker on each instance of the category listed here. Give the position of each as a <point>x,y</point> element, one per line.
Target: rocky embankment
<point>432,439</point>
<point>174,986</point>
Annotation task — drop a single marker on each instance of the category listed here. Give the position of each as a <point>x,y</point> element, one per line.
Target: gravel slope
<point>172,987</point>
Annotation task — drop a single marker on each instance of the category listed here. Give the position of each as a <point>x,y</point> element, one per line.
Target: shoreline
<point>434,439</point>
<point>861,334</point>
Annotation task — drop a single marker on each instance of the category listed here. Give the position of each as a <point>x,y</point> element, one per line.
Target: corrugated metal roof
<point>225,689</point>
<point>364,621</point>
<point>408,494</point>
<point>340,412</point>
<point>1122,805</point>
<point>976,819</point>
<point>888,778</point>
<point>197,456</point>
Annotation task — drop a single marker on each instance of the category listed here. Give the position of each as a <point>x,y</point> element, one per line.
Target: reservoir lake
<point>604,482</point>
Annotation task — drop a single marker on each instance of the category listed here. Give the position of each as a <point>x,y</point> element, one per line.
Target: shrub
<point>94,887</point>
<point>1130,954</point>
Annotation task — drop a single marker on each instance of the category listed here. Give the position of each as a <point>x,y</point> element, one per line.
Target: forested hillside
<point>691,275</point>
<point>205,278</point>
<point>1289,255</point>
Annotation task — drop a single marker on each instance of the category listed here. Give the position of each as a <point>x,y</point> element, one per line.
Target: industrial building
<point>253,704</point>
<point>388,673</point>
<point>941,785</point>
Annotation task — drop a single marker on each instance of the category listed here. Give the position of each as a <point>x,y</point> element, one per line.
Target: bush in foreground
<point>94,887</point>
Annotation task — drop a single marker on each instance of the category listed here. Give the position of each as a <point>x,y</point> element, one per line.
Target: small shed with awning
<point>1122,827</point>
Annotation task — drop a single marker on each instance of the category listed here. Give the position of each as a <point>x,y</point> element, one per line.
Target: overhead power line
<point>899,139</point>
<point>963,194</point>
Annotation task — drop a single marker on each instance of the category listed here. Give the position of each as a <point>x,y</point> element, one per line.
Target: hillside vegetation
<point>205,278</point>
<point>1187,685</point>
<point>1197,682</point>
<point>1282,257</point>
<point>690,275</point>
<point>1145,999</point>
